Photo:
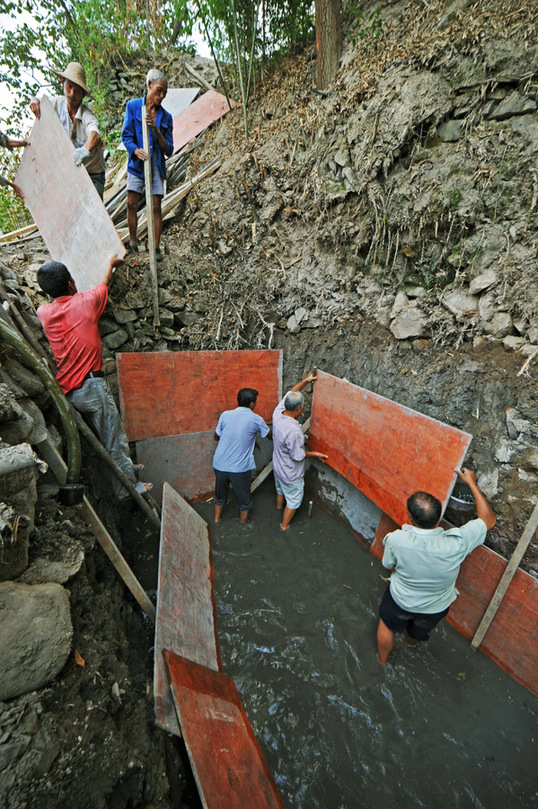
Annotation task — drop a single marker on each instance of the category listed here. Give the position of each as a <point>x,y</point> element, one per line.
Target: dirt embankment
<point>385,232</point>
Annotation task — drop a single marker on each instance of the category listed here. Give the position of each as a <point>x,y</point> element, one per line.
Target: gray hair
<point>293,401</point>
<point>155,75</point>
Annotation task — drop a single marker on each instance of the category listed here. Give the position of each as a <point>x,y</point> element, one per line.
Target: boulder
<point>35,636</point>
<point>483,281</point>
<point>410,322</point>
<point>115,339</point>
<point>500,325</point>
<point>460,302</point>
<point>450,131</point>
<point>514,104</point>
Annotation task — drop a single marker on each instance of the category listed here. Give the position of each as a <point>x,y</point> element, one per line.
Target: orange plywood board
<point>202,113</point>
<point>185,621</point>
<point>226,759</point>
<point>177,392</point>
<point>64,203</point>
<point>386,450</point>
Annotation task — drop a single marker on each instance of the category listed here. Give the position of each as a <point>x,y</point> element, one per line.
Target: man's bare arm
<point>483,508</point>
<point>300,385</point>
<point>115,261</point>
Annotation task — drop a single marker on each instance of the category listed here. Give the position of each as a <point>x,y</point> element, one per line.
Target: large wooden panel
<point>512,639</point>
<point>386,450</point>
<point>174,392</point>
<point>225,756</point>
<point>204,111</point>
<point>185,621</point>
<point>64,203</point>
<point>183,461</point>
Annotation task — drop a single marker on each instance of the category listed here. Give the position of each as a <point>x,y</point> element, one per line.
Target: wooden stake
<point>50,454</point>
<point>151,223</point>
<point>506,578</point>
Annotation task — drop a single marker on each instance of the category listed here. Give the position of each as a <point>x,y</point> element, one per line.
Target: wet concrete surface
<point>440,726</point>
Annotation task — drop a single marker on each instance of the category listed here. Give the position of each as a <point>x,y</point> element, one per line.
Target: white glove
<point>80,154</point>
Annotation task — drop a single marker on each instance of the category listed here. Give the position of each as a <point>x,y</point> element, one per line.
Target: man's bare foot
<point>409,640</point>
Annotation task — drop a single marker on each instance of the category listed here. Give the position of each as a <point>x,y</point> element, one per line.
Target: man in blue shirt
<point>161,145</point>
<point>425,562</point>
<point>233,461</point>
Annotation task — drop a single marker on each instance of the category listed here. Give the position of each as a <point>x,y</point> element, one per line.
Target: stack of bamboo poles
<point>116,194</point>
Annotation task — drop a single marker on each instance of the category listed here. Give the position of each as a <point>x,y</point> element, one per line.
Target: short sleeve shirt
<point>79,131</point>
<point>237,430</point>
<point>427,563</point>
<point>70,323</point>
<point>288,446</point>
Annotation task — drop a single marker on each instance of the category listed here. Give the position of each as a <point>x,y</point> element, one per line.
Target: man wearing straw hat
<point>79,122</point>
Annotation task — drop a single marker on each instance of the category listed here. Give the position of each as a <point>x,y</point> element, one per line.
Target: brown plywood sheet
<point>174,392</point>
<point>185,621</point>
<point>386,450</point>
<point>204,111</point>
<point>226,759</point>
<point>64,203</point>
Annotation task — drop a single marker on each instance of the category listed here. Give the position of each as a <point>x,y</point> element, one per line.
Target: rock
<point>529,350</point>
<point>486,306</point>
<point>164,297</point>
<point>410,322</point>
<point>512,343</point>
<point>516,425</point>
<point>28,381</point>
<point>504,451</point>
<point>514,104</point>
<point>450,131</point>
<point>341,158</point>
<point>483,281</point>
<point>460,302</point>
<point>224,248</point>
<point>415,292</point>
<point>107,326</point>
<point>123,316</point>
<point>500,325</point>
<point>489,483</point>
<point>116,339</point>
<point>292,325</point>
<point>301,314</point>
<point>532,333</point>
<point>532,460</point>
<point>35,636</point>
<point>186,318</point>
<point>399,304</point>
<point>167,318</point>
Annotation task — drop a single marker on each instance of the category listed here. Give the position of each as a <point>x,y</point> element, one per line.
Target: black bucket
<point>461,506</point>
<point>71,494</point>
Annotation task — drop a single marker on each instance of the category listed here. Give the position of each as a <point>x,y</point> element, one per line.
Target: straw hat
<point>75,73</point>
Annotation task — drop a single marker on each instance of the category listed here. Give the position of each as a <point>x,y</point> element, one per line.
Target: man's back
<point>237,430</point>
<point>427,563</point>
<point>70,323</point>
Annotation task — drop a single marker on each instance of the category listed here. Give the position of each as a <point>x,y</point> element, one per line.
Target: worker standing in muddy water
<point>161,136</point>
<point>289,453</point>
<point>70,323</point>
<point>233,461</point>
<point>79,122</point>
<point>425,561</point>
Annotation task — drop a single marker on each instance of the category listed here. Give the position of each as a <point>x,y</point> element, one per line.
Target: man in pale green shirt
<point>425,560</point>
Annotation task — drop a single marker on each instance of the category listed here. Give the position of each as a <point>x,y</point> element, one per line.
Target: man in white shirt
<point>425,561</point>
<point>79,122</point>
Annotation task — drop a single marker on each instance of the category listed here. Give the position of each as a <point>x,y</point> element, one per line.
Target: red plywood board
<point>176,392</point>
<point>386,450</point>
<point>226,759</point>
<point>184,461</point>
<point>64,203</point>
<point>204,111</point>
<point>185,621</point>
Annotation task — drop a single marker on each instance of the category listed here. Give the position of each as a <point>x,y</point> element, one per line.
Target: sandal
<point>143,488</point>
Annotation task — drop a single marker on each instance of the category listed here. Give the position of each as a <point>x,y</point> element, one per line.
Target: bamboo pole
<point>506,578</point>
<point>50,455</point>
<point>150,221</point>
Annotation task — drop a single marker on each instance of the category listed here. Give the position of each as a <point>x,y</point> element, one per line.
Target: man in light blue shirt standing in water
<point>425,561</point>
<point>233,461</point>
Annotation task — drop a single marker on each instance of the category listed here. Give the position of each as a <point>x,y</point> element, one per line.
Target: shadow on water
<point>440,726</point>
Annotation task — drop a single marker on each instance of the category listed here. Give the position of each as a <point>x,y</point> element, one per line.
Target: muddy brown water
<point>440,726</point>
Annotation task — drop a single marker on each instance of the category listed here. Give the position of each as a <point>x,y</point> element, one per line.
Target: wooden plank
<point>64,203</point>
<point>386,450</point>
<point>173,392</point>
<point>185,621</point>
<point>204,111</point>
<point>183,461</point>
<point>508,575</point>
<point>227,762</point>
<point>150,220</point>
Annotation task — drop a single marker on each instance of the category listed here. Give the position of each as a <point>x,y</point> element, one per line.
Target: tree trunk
<point>328,41</point>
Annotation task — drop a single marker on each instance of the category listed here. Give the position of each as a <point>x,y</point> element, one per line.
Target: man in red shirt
<point>70,323</point>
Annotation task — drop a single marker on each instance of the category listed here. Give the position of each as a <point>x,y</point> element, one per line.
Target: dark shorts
<point>418,625</point>
<point>241,485</point>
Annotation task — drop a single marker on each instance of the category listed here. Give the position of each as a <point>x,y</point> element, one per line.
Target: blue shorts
<point>293,492</point>
<point>418,625</point>
<point>137,184</point>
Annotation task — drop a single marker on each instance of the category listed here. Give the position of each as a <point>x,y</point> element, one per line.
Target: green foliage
<point>370,27</point>
<point>13,214</point>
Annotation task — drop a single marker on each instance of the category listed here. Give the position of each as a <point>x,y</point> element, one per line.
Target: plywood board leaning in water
<point>185,621</point>
<point>64,203</point>
<point>226,759</point>
<point>386,450</point>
